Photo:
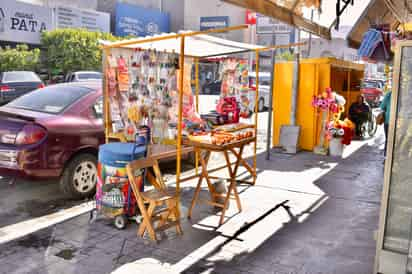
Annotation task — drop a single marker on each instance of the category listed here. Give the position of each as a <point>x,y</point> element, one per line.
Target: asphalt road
<point>23,199</point>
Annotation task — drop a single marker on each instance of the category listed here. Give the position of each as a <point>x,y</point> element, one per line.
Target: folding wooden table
<point>236,148</point>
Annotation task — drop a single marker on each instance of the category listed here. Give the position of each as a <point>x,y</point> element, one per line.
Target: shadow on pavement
<point>306,214</point>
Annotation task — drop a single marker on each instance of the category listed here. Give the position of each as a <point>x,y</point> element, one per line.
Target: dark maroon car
<point>54,132</point>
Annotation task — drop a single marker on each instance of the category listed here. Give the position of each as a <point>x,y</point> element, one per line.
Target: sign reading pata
<point>20,22</point>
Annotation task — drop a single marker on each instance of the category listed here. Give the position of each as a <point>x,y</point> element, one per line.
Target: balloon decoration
<point>331,105</point>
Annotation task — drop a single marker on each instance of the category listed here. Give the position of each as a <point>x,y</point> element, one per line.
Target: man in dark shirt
<point>358,113</point>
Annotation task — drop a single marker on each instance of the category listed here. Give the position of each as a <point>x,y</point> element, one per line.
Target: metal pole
<point>197,108</point>
<point>197,83</point>
<point>180,113</point>
<point>270,110</point>
<point>106,107</point>
<point>256,115</point>
<point>295,84</point>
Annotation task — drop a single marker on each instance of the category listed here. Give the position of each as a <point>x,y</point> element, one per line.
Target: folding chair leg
<point>175,212</point>
<point>148,221</point>
<point>143,211</point>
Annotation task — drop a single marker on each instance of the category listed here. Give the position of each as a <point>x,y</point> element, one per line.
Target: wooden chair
<point>161,196</point>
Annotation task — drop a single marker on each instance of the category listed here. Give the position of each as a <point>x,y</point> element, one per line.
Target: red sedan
<point>54,132</point>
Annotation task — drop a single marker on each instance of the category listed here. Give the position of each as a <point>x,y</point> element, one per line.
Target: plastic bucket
<point>336,147</point>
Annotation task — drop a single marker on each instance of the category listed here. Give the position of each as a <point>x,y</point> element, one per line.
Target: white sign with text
<point>77,18</point>
<point>21,22</point>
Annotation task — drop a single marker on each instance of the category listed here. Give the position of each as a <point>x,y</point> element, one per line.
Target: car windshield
<point>263,81</point>
<point>370,84</point>
<point>53,99</point>
<point>19,76</point>
<point>89,75</point>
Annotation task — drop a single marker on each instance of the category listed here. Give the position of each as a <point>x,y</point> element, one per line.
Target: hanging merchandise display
<point>235,93</point>
<point>143,94</point>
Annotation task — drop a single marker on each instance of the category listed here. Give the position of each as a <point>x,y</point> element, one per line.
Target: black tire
<point>69,185</point>
<point>120,222</point>
<point>261,105</point>
<point>372,126</point>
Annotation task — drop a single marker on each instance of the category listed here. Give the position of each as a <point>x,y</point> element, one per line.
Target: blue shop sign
<point>214,22</point>
<point>137,21</point>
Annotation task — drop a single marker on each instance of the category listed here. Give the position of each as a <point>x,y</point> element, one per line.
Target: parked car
<point>14,84</point>
<point>214,87</point>
<point>264,88</point>
<point>54,132</point>
<point>82,76</point>
<point>373,91</point>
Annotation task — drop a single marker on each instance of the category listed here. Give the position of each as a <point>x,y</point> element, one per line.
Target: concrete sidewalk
<point>306,214</point>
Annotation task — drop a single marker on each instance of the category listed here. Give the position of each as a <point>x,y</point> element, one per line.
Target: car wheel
<point>80,176</point>
<point>261,105</point>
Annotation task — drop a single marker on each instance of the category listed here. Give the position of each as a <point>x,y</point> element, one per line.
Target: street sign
<point>138,21</point>
<point>268,25</point>
<point>66,17</point>
<point>250,17</point>
<point>214,22</point>
<point>21,22</point>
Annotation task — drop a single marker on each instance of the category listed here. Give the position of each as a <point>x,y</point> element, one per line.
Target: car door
<point>97,117</point>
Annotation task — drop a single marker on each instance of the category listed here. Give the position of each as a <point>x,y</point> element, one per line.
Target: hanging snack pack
<point>234,99</point>
<point>143,92</point>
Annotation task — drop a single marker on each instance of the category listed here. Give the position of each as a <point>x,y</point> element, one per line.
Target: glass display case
<point>395,228</point>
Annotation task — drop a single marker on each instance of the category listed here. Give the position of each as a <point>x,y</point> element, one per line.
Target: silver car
<point>83,76</point>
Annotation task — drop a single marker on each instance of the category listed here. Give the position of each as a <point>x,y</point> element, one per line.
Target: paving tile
<point>6,267</point>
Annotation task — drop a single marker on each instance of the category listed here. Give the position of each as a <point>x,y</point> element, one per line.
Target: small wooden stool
<point>162,195</point>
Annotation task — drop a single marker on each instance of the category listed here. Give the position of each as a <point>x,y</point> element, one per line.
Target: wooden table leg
<point>243,162</point>
<point>232,187</point>
<point>238,160</point>
<point>203,174</point>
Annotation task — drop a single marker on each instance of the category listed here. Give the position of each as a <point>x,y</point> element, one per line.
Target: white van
<point>264,88</point>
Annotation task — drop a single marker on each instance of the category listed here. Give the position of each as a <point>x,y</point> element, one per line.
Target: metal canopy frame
<point>122,44</point>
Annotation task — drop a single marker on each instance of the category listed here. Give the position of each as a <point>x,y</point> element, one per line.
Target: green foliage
<point>285,56</point>
<point>70,50</point>
<point>19,58</point>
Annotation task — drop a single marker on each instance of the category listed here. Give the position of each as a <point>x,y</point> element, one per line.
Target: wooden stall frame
<point>120,44</point>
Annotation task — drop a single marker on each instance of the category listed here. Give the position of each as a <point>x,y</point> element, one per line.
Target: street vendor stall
<point>148,94</point>
<point>316,76</point>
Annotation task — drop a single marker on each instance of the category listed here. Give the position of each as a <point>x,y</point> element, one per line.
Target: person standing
<point>386,108</point>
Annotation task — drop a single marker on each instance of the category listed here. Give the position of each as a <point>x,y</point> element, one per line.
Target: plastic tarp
<point>200,45</point>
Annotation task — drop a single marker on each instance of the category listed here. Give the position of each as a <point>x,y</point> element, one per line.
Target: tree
<point>19,58</point>
<point>285,56</point>
<point>70,50</point>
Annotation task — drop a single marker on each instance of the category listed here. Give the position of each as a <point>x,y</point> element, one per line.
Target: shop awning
<point>199,45</point>
<point>378,12</point>
<point>298,12</point>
